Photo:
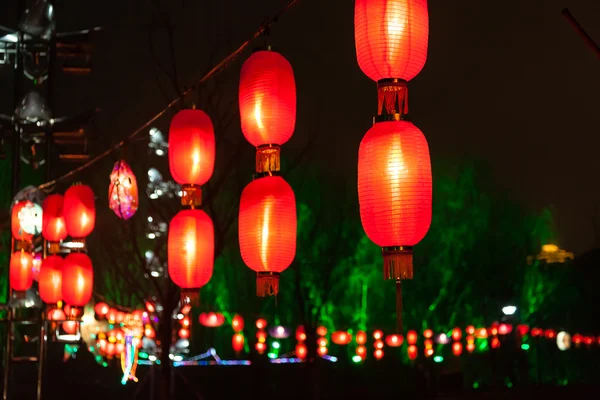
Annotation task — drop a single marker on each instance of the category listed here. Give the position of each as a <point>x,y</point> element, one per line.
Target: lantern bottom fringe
<point>267,284</point>
<point>191,195</point>
<point>398,263</point>
<point>190,298</point>
<point>392,97</point>
<point>268,158</point>
<point>24,245</point>
<point>53,247</point>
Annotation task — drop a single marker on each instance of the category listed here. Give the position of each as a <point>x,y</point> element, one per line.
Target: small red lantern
<point>79,211</point>
<point>301,351</point>
<point>50,280</point>
<point>191,148</point>
<point>322,351</point>
<point>535,332</point>
<point>341,338</point>
<point>149,332</point>
<point>101,309</point>
<point>428,343</point>
<point>412,352</point>
<point>237,342</point>
<point>411,337</point>
<point>322,342</point>
<point>456,334</point>
<point>70,327</point>
<point>267,230</point>
<point>391,37</point>
<point>378,344</point>
<point>428,333</point>
<point>588,340</point>
<point>470,347</point>
<point>321,331</point>
<point>17,230</point>
<point>428,352</point>
<point>378,354</point>
<point>550,333</point>
<point>54,229</point>
<point>522,329</point>
<point>470,330</point>
<point>504,329</point>
<point>123,191</point>
<point>300,334</point>
<point>111,316</point>
<point>481,333</point>
<point>21,271</point>
<point>377,334</point>
<point>394,340</point>
<point>77,279</point>
<point>267,98</point>
<point>191,246</point>
<point>457,348</point>
<point>495,342</point>
<point>577,339</point>
<point>211,319</point>
<point>260,347</point>
<point>261,336</point>
<point>184,333</point>
<point>261,323</point>
<point>57,315</point>
<point>237,323</point>
<point>185,322</point>
<point>361,337</point>
<point>361,351</point>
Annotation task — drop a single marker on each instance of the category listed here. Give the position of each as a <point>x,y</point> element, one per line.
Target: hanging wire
<point>144,127</point>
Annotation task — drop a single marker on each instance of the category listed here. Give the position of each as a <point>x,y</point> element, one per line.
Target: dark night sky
<point>508,82</point>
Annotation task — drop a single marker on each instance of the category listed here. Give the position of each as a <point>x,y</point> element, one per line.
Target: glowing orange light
<point>470,347</point>
<point>301,351</point>
<point>361,351</point>
<point>261,323</point>
<point>261,336</point>
<point>470,330</point>
<point>411,337</point>
<point>237,323</point>
<point>481,333</point>
<point>378,344</point>
<point>428,352</point>
<point>412,352</point>
<point>260,347</point>
<point>394,340</point>
<point>377,335</point>
<point>322,342</point>
<point>378,354</point>
<point>341,338</point>
<point>457,348</point>
<point>504,329</point>
<point>428,333</point>
<point>237,342</point>
<point>361,337</point>
<point>321,331</point>
<point>300,334</point>
<point>495,342</point>
<point>322,350</point>
<point>21,273</point>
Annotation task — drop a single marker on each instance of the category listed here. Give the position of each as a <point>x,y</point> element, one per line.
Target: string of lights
<point>264,28</point>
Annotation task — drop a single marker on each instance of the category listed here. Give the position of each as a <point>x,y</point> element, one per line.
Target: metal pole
<point>41,357</point>
<point>8,355</point>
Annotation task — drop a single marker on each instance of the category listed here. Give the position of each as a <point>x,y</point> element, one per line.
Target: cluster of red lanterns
<point>70,279</point>
<point>261,336</point>
<point>301,349</point>
<point>237,341</point>
<point>191,232</point>
<point>394,170</point>
<point>267,216</point>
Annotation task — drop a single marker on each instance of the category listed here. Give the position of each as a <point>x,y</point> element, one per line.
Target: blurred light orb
<point>563,341</point>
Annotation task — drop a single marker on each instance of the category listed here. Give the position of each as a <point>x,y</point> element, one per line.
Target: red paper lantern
<point>411,337</point>
<point>101,309</point>
<point>391,37</point>
<point>361,351</point>
<point>70,327</point>
<point>237,342</point>
<point>322,342</point>
<point>470,347</point>
<point>495,342</point>
<point>56,314</point>
<point>191,147</point>
<point>536,332</point>
<point>322,351</point>
<point>378,344</point>
<point>428,333</point>
<point>260,347</point>
<point>394,191</point>
<point>50,280</point>
<point>261,323</point>
<point>321,331</point>
<point>53,222</point>
<point>237,323</point>
<point>412,352</point>
<point>361,337</point>
<point>184,333</point>
<point>261,336</point>
<point>300,334</point>
<point>522,329</point>
<point>191,246</point>
<point>378,354</point>
<point>301,351</point>
<point>267,230</point>
<point>481,333</point>
<point>377,334</point>
<point>77,279</point>
<point>550,333</point>
<point>341,338</point>
<point>211,319</point>
<point>457,348</point>
<point>123,191</point>
<point>21,271</point>
<point>267,98</point>
<point>18,232</point>
<point>79,211</point>
<point>394,340</point>
<point>504,329</point>
<point>456,334</point>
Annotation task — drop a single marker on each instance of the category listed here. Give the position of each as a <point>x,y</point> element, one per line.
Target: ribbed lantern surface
<point>79,211</point>
<point>394,184</point>
<point>77,279</point>
<point>391,37</point>
<point>267,98</point>
<point>21,273</point>
<point>191,249</point>
<point>50,279</point>
<point>191,147</point>
<point>53,225</point>
<point>267,224</point>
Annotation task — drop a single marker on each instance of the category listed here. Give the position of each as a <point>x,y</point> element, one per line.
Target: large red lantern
<point>267,98</point>
<point>267,230</point>
<point>79,211</point>
<point>211,319</point>
<point>191,152</point>
<point>123,191</point>
<point>391,37</point>
<point>191,251</point>
<point>21,270</point>
<point>50,279</point>
<point>394,192</point>
<point>341,338</point>
<point>77,279</point>
<point>53,225</point>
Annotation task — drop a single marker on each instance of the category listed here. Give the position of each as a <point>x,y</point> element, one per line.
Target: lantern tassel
<point>392,97</point>
<point>399,322</point>
<point>267,284</point>
<point>190,297</point>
